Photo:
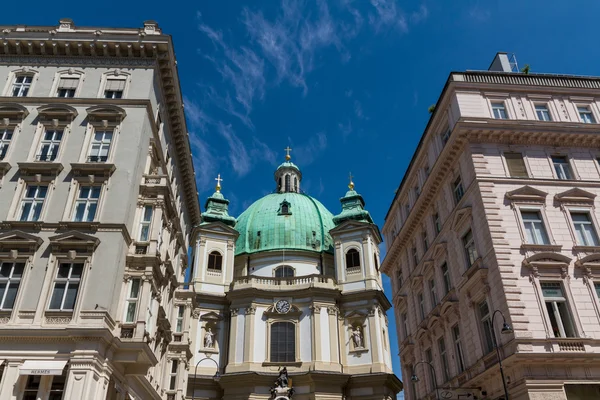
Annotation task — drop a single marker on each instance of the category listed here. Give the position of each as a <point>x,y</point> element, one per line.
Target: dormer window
<point>284,208</point>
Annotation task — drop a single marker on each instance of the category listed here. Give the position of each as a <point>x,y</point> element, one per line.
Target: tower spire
<point>217,207</point>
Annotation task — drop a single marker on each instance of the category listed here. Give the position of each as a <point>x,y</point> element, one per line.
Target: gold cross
<point>287,150</point>
<point>219,180</point>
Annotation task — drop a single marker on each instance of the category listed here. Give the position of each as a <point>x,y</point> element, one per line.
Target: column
<point>334,337</point>
<point>232,336</point>
<point>8,385</point>
<point>316,333</point>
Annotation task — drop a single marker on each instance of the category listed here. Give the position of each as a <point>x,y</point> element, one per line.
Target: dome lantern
<point>288,175</point>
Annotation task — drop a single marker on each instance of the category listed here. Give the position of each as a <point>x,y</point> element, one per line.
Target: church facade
<point>288,289</point>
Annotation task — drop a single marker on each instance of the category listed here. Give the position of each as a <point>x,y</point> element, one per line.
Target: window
<point>558,310</point>
<point>457,189</point>
<point>446,275</point>
<point>446,136</point>
<point>444,357</point>
<point>516,165</point>
<point>404,317</point>
<point>173,375</point>
<point>562,167</point>
<point>179,319</point>
<point>486,327</point>
<point>283,342</point>
<point>10,279</point>
<point>33,202</point>
<point>541,110</point>
<point>22,85</point>
<point>535,230</point>
<point>407,210</point>
<point>287,183</point>
<point>499,110</point>
<point>66,286</point>
<point>434,300</point>
<point>584,229</point>
<point>215,261</point>
<point>133,295</point>
<point>426,170</point>
<point>50,145</point>
<point>460,363</point>
<point>5,138</point>
<point>597,287</point>
<point>145,224</point>
<point>415,255</point>
<point>429,358</point>
<point>585,114</point>
<point>437,223</point>
<point>57,388</point>
<point>421,306</point>
<point>285,209</point>
<point>100,147</point>
<point>417,191</point>
<point>67,87</point>
<point>114,88</point>
<point>469,246</point>
<point>31,387</point>
<point>424,241</point>
<point>352,259</point>
<point>376,262</point>
<point>86,203</point>
<point>284,271</point>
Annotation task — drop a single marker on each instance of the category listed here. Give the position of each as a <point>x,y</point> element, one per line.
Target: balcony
<point>284,284</point>
<point>154,184</point>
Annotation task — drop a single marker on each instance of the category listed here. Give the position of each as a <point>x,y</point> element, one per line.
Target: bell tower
<point>288,175</point>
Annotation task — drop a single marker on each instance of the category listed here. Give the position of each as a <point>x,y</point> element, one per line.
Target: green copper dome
<point>287,220</point>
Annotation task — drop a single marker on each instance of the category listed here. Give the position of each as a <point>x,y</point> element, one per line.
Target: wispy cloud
<point>479,14</point>
<point>261,151</point>
<point>309,151</point>
<point>358,110</point>
<point>420,15</point>
<point>387,14</point>
<point>345,129</point>
<point>205,163</point>
<point>237,153</point>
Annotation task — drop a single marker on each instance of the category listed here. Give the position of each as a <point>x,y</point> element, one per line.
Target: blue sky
<point>345,83</point>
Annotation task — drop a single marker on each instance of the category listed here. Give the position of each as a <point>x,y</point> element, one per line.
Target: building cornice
<point>67,44</point>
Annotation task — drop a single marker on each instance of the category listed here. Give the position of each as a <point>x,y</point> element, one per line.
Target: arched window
<point>215,261</point>
<point>295,184</point>
<point>287,183</point>
<point>352,259</point>
<point>376,262</point>
<point>284,271</point>
<point>283,342</point>
<point>285,209</point>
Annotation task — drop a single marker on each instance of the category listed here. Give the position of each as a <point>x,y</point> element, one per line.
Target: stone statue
<point>209,338</point>
<point>357,337</point>
<point>281,388</point>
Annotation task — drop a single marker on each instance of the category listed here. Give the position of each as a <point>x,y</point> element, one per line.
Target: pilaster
<point>232,335</point>
<point>85,380</point>
<point>9,380</point>
<point>249,312</point>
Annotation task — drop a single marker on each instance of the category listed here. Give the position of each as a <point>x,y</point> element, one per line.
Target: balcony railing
<point>281,284</point>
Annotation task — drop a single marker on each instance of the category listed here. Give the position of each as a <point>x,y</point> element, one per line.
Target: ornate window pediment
<point>56,114</point>
<point>20,242</point>
<point>547,264</point>
<point>211,316</point>
<point>285,208</point>
<point>440,250</point>
<point>575,196</point>
<point>12,114</point>
<point>527,193</point>
<point>73,241</point>
<point>293,313</point>
<point>461,217</point>
<point>106,115</point>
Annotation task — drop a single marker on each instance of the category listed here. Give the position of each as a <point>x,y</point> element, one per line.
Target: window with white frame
<point>499,110</point>
<point>434,300</point>
<point>485,319</point>
<point>131,302</point>
<point>6,135</point>
<point>516,165</point>
<point>585,115</point>
<point>179,319</point>
<point>585,231</point>
<point>457,189</point>
<point>86,203</point>
<point>114,88</point>
<point>100,146</point>
<point>66,286</point>
<point>50,145</point>
<point>173,374</point>
<point>67,86</point>
<point>460,363</point>
<point>283,342</point>
<point>557,307</point>
<point>446,275</point>
<point>10,280</point>
<point>444,358</point>
<point>21,85</point>
<point>145,224</point>
<point>469,246</point>
<point>542,112</point>
<point>421,306</point>
<point>562,167</point>
<point>535,229</point>
<point>33,202</point>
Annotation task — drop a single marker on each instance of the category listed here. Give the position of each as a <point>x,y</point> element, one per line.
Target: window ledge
<point>283,364</point>
<point>477,264</point>
<point>4,167</point>
<point>587,249</point>
<point>40,167</point>
<point>541,247</point>
<point>209,350</point>
<point>359,351</point>
<point>93,168</point>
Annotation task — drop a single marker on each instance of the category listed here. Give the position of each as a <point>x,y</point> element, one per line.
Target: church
<point>289,300</point>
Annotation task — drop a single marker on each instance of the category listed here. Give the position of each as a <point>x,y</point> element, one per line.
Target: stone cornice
<point>68,225</point>
<point>67,44</point>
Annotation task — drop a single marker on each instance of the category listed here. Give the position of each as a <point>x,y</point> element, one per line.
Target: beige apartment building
<point>497,212</point>
<point>97,201</point>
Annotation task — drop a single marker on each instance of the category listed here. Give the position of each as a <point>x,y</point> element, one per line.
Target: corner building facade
<point>288,284</point>
<point>97,200</point>
<point>497,211</point>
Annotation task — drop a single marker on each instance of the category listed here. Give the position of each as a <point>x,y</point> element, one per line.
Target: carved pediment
<point>356,315</point>
<point>211,316</point>
<point>449,307</point>
<point>527,193</point>
<point>592,260</point>
<point>218,227</point>
<point>547,259</point>
<point>106,115</point>
<point>294,312</point>
<point>73,241</point>
<point>439,250</point>
<point>56,114</point>
<point>461,217</point>
<point>20,241</point>
<point>12,113</point>
<point>575,195</point>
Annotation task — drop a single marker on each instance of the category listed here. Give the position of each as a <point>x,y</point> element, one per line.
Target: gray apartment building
<point>97,200</point>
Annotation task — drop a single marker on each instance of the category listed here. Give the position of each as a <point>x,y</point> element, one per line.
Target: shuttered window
<point>516,165</point>
<point>115,84</point>
<point>68,83</point>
